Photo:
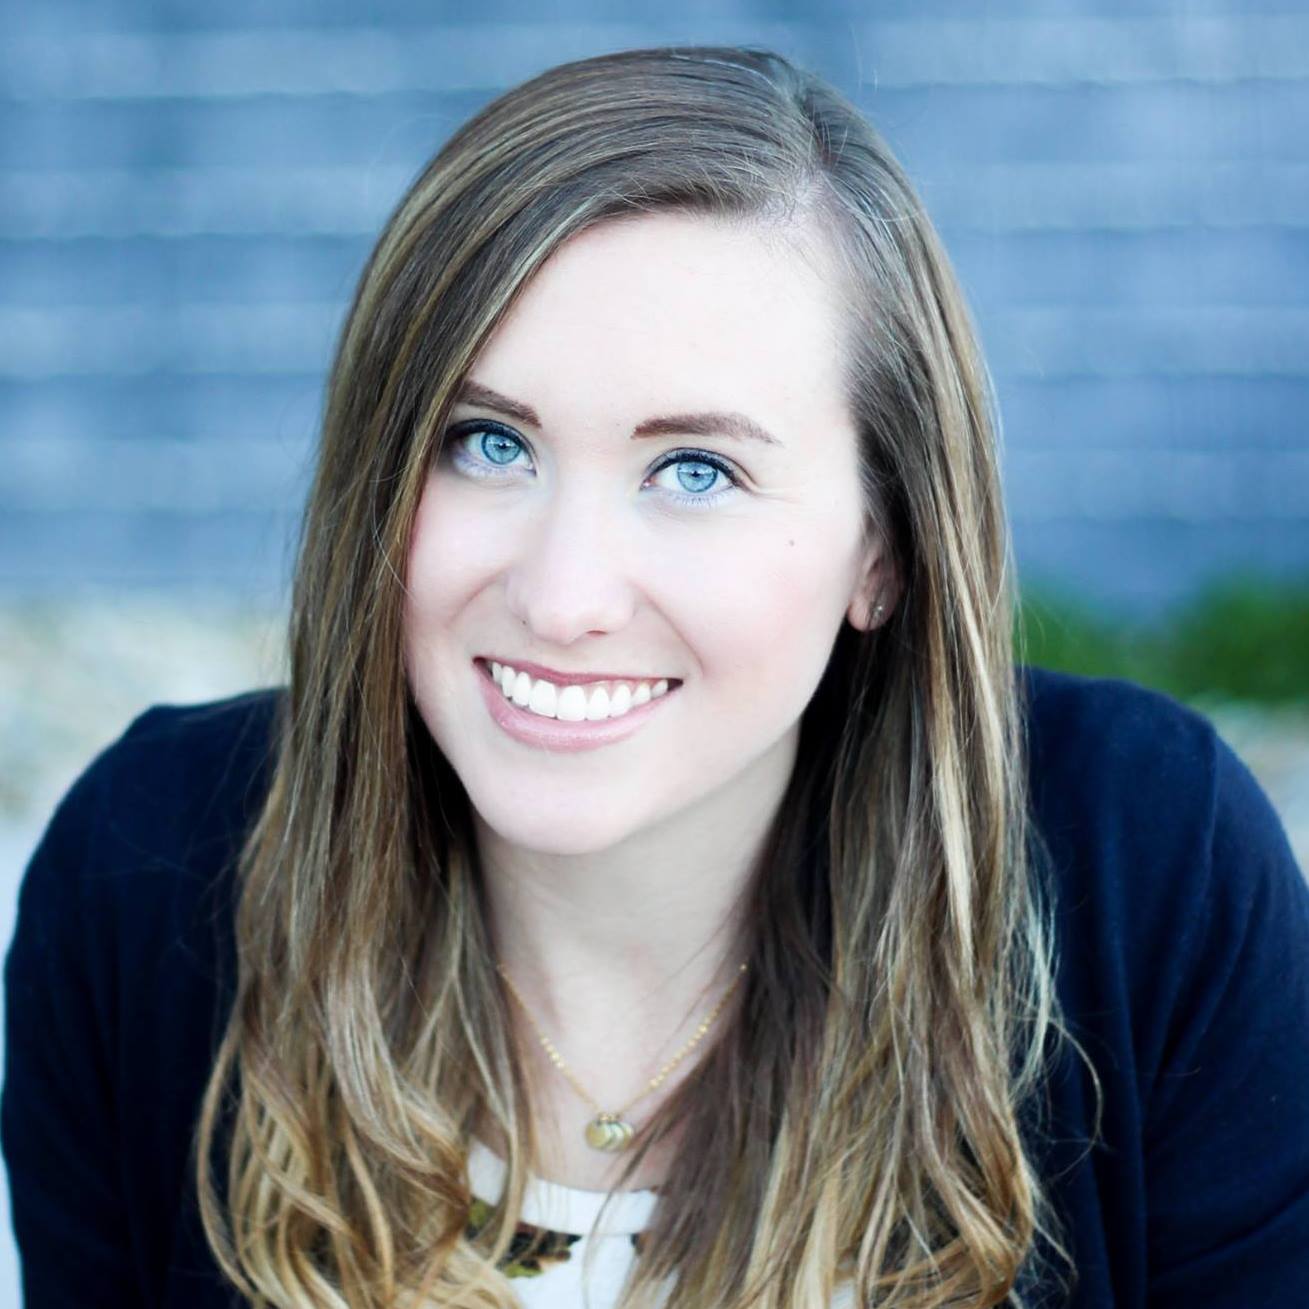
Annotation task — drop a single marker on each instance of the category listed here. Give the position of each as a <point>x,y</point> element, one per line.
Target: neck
<point>619,955</point>
<point>638,930</point>
<point>620,952</point>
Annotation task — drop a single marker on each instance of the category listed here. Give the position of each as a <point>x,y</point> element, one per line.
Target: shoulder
<point>181,767</point>
<point>202,749</point>
<point>1103,730</point>
<point>1134,775</point>
<point>125,905</point>
<point>120,973</point>
<point>1138,786</point>
<point>170,797</point>
<point>1171,868</point>
<point>1109,755</point>
<point>204,765</point>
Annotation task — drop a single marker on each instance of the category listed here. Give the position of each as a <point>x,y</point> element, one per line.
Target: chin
<point>551,833</point>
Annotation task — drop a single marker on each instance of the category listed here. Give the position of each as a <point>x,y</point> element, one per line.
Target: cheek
<point>771,606</point>
<point>439,576</point>
<point>447,555</point>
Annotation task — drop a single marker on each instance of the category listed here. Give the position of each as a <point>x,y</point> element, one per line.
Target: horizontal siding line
<point>348,201</point>
<point>205,200</point>
<point>297,338</point>
<point>1227,340</point>
<point>140,474</point>
<point>115,341</point>
<point>132,475</point>
<point>951,228</point>
<point>874,81</point>
<point>1088,51</point>
<point>1180,486</point>
<point>74,65</point>
<point>1019,371</point>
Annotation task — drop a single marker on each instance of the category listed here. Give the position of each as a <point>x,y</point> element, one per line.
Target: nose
<point>569,577</point>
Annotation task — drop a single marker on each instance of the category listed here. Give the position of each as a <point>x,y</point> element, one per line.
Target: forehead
<point>673,310</point>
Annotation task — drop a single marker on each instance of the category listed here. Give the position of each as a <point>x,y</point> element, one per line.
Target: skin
<point>613,874</point>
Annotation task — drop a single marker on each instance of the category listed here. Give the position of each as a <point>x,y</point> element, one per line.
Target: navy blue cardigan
<point>1183,966</point>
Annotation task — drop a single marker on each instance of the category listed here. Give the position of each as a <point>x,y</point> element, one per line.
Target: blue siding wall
<point>187,194</point>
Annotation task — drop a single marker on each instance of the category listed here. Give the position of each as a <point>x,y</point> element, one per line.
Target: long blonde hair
<point>863,1113</point>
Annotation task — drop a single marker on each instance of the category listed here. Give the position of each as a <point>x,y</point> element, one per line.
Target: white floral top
<point>555,1260</point>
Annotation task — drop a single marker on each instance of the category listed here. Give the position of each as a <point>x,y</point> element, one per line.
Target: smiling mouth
<point>580,703</point>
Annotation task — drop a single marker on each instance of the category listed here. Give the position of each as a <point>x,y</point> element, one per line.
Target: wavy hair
<point>861,1115</point>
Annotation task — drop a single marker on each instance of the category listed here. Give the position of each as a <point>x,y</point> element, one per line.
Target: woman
<point>657,882</point>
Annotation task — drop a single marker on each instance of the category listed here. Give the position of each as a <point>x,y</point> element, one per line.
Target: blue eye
<point>496,446</point>
<point>698,471</point>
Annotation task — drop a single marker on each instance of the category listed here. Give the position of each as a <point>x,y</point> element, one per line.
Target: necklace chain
<point>615,1116</point>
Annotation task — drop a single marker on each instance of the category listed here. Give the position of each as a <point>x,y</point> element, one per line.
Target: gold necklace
<point>609,1130</point>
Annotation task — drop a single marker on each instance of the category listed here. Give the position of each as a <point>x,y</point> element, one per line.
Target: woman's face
<point>652,477</point>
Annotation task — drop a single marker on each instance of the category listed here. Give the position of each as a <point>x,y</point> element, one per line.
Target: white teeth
<point>598,707</point>
<point>544,697</point>
<point>574,703</point>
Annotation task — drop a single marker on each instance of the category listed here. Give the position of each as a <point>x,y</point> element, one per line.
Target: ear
<point>877,591</point>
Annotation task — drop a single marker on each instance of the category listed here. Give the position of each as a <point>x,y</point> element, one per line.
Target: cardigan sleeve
<point>1227,1118</point>
<point>57,1120</point>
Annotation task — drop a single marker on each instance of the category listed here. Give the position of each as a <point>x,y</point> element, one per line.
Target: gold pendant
<point>609,1132</point>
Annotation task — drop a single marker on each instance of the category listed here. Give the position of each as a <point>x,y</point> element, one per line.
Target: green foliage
<point>1240,638</point>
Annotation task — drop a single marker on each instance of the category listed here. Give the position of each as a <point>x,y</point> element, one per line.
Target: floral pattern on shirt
<point>531,1250</point>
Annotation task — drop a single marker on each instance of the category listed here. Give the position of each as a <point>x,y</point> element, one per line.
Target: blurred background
<point>188,193</point>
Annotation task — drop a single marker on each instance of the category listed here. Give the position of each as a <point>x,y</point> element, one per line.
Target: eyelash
<point>451,448</point>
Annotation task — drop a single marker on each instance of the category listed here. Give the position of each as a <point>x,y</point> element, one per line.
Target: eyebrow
<point>696,424</point>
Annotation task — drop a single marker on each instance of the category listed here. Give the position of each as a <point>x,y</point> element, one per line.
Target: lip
<point>561,737</point>
<point>575,679</point>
